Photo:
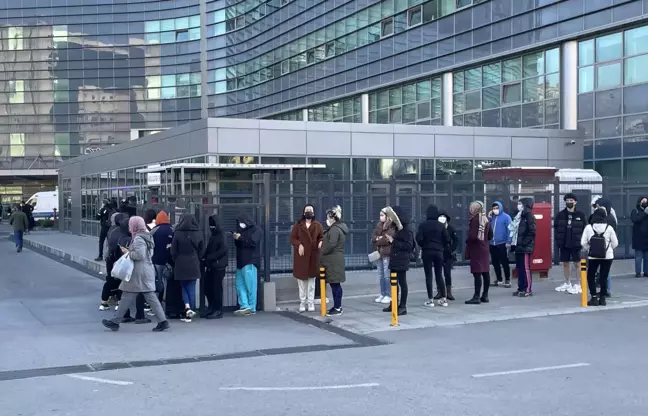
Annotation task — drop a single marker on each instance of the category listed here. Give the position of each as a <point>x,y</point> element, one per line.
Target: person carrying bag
<point>599,240</point>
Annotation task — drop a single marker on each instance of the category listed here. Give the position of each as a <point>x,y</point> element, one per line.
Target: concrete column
<point>203,59</point>
<point>447,102</point>
<point>304,117</point>
<point>569,85</point>
<point>364,107</point>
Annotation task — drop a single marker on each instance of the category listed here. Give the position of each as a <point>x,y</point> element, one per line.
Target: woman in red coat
<point>306,239</point>
<point>478,251</point>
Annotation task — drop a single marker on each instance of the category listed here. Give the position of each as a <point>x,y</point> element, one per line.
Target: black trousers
<point>102,238</point>
<point>602,267</point>
<point>214,289</point>
<point>434,260</point>
<point>110,288</point>
<point>447,272</point>
<point>402,285</point>
<point>479,279</point>
<point>499,257</point>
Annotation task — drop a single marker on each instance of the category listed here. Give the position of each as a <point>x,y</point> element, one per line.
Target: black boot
<point>450,297</point>
<point>474,301</point>
<point>602,301</point>
<point>402,311</point>
<point>484,298</point>
<point>215,315</point>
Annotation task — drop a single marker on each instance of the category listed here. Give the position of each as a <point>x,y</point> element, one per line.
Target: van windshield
<point>32,201</point>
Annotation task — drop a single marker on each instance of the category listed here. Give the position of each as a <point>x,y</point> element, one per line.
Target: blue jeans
<point>189,292</point>
<point>383,276</point>
<point>18,236</point>
<point>641,257</point>
<point>246,287</point>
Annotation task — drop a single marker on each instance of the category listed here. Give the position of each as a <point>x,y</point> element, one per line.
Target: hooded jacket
<point>601,227</point>
<point>500,225</point>
<point>333,252</point>
<point>449,254</point>
<point>162,236</point>
<point>432,236</point>
<point>526,232</point>
<point>116,234</point>
<point>248,245</point>
<point>568,229</point>
<point>216,251</point>
<point>187,249</point>
<point>639,227</point>
<point>611,214</point>
<point>403,243</point>
<point>143,276</point>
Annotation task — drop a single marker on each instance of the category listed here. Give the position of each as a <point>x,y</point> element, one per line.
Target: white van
<point>44,204</point>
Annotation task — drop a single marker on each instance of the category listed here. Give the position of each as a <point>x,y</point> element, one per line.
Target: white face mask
<point>496,212</point>
<point>242,225</point>
<point>520,207</point>
<point>329,222</point>
<point>443,220</point>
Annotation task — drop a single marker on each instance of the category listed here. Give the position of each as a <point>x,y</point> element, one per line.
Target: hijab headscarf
<point>136,225</point>
<point>477,210</point>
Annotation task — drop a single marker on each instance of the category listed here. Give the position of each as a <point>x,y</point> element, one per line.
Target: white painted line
<point>100,380</point>
<point>531,370</point>
<point>338,387</point>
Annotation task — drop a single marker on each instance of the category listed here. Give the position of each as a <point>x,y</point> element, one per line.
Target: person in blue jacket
<point>500,244</point>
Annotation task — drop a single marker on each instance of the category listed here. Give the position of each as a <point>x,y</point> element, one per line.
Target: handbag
<point>123,268</point>
<point>374,256</point>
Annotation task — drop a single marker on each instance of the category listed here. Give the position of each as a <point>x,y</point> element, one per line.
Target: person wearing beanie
<point>306,239</point>
<point>332,256</point>
<point>403,244</point>
<point>568,230</point>
<point>162,235</point>
<point>215,265</point>
<point>382,245</point>
<point>449,255</point>
<point>432,236</point>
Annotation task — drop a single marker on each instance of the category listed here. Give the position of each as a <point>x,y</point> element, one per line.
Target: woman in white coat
<point>600,240</point>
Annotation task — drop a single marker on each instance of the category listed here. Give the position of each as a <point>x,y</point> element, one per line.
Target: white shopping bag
<point>123,268</point>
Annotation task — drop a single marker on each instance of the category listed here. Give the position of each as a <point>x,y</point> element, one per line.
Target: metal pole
<point>584,283</point>
<point>266,228</point>
<point>394,296</point>
<point>182,180</point>
<point>323,291</point>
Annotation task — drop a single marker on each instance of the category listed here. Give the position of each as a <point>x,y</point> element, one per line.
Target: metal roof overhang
<point>229,166</point>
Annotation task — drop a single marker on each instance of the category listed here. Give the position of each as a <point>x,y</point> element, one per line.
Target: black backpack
<point>598,245</point>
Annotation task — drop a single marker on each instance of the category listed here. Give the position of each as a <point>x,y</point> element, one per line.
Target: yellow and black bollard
<point>583,282</point>
<point>394,302</point>
<point>323,291</point>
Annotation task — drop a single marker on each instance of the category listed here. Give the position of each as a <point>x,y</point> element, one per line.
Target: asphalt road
<point>584,364</point>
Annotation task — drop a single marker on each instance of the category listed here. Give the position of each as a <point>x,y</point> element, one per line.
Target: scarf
<point>513,228</point>
<point>477,210</point>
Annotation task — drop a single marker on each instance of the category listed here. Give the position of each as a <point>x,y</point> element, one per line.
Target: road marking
<point>338,387</point>
<point>100,380</point>
<point>530,370</point>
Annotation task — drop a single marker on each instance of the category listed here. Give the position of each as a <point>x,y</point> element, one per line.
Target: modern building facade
<point>83,75</point>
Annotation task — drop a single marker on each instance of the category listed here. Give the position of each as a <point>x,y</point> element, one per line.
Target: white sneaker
<point>302,307</point>
<point>575,289</point>
<point>104,307</point>
<point>564,287</point>
<point>442,302</point>
<point>319,301</point>
<point>379,299</point>
<point>311,307</point>
<point>386,299</point>
<point>429,303</point>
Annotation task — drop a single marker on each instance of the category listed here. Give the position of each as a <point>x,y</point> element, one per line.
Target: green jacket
<point>332,253</point>
<point>19,221</point>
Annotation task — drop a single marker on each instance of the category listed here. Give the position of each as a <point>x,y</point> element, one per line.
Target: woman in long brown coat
<point>478,250</point>
<point>306,239</point>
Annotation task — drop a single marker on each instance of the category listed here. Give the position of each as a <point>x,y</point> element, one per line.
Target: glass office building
<point>82,75</point>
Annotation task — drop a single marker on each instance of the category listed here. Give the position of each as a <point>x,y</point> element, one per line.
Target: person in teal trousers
<point>247,240</point>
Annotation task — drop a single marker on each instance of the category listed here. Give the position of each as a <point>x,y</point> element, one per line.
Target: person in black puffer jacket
<point>402,247</point>
<point>449,255</point>
<point>434,240</point>
<point>639,217</point>
<point>523,239</point>
<point>215,265</point>
<point>568,229</point>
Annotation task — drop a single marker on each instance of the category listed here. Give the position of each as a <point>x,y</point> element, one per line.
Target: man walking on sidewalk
<point>20,224</point>
<point>104,222</point>
<point>568,229</point>
<point>501,242</point>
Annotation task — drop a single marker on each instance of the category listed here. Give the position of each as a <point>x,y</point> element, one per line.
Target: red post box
<point>541,257</point>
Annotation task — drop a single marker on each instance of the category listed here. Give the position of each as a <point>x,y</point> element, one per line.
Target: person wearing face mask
<point>639,217</point>
<point>568,229</point>
<point>403,244</point>
<point>247,240</point>
<point>381,243</point>
<point>477,250</point>
<point>500,243</point>
<point>523,234</point>
<point>449,255</point>
<point>332,258</point>
<point>306,238</point>
<point>432,236</point>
